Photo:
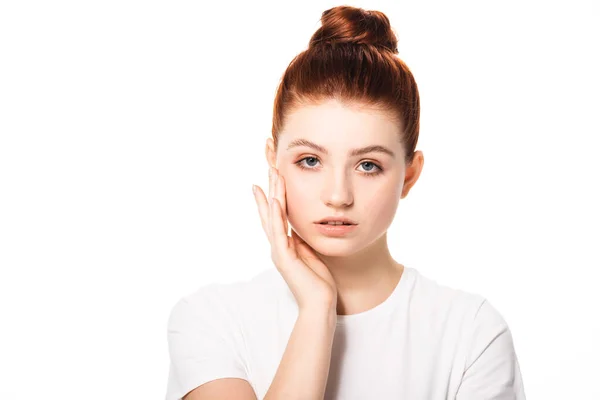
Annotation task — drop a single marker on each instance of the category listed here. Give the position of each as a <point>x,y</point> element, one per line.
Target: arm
<point>206,360</point>
<point>302,372</point>
<point>304,367</point>
<point>223,388</point>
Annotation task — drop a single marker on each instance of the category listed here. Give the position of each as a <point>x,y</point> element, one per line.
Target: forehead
<point>332,123</point>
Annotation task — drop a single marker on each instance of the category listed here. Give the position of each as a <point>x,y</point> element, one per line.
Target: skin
<point>338,184</point>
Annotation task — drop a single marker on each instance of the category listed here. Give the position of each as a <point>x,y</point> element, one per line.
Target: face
<point>331,181</point>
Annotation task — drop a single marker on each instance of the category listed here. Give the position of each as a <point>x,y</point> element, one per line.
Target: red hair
<point>352,58</point>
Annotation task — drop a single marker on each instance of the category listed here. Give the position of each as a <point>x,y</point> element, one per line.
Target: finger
<point>263,210</point>
<point>271,183</point>
<point>270,199</point>
<point>278,217</point>
<point>281,197</point>
<point>279,240</point>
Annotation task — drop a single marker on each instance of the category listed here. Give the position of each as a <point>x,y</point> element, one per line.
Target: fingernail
<point>253,189</point>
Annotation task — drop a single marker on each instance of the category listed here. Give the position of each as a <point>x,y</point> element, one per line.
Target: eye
<point>369,163</point>
<point>368,166</point>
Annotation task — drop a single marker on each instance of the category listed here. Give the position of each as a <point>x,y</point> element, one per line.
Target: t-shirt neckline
<point>382,309</point>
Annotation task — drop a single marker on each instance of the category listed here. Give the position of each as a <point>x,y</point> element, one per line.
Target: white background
<point>131,133</point>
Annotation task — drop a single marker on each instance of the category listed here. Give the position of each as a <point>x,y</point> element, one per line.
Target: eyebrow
<point>353,152</point>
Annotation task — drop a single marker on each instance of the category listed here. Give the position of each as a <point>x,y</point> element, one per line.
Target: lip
<point>337,219</point>
<point>335,230</point>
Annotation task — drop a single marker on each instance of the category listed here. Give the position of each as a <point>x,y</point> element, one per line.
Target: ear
<point>270,153</point>
<point>413,172</point>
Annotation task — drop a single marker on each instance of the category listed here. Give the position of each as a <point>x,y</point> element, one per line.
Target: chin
<point>333,246</point>
<point>329,252</point>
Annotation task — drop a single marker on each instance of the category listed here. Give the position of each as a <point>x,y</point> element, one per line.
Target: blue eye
<point>369,163</point>
<point>373,167</point>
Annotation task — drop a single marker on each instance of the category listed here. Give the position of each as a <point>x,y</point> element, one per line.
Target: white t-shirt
<point>424,342</point>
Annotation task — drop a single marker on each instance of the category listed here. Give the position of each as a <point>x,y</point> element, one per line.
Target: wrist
<point>319,315</point>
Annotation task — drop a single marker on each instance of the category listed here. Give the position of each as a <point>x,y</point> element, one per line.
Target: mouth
<point>335,230</point>
<point>335,223</point>
<point>336,220</point>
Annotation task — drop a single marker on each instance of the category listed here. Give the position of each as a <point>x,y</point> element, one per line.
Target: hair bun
<point>346,24</point>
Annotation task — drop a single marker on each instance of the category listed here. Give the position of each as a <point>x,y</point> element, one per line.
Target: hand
<point>306,275</point>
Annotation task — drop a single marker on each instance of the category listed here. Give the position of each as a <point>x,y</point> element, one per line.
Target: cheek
<point>380,206</point>
<point>296,196</point>
<point>300,199</point>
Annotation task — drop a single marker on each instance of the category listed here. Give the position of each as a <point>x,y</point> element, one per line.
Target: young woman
<point>338,317</point>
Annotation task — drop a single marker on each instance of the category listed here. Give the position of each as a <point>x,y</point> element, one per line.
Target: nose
<point>337,190</point>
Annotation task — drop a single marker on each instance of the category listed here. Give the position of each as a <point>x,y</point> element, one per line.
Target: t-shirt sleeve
<point>204,344</point>
<point>492,369</point>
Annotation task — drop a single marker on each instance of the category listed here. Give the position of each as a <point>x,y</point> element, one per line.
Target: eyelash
<point>369,174</point>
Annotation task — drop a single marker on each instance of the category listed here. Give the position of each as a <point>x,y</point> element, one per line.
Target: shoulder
<point>453,311</point>
<point>220,300</point>
<point>206,335</point>
<point>432,297</point>
<point>469,317</point>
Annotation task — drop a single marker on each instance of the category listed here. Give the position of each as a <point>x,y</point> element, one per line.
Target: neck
<point>365,278</point>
